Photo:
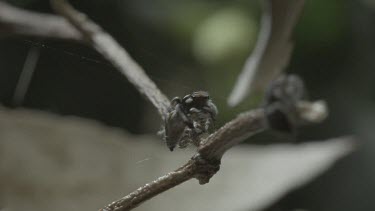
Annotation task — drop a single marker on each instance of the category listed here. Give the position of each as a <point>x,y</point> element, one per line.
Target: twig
<point>245,125</point>
<point>15,21</point>
<point>152,189</point>
<point>206,162</point>
<point>112,51</point>
<point>26,76</point>
<point>211,151</point>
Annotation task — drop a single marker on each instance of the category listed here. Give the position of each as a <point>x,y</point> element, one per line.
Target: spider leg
<point>183,116</point>
<point>211,109</point>
<point>175,101</point>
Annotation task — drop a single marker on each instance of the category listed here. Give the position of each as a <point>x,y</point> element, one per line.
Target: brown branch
<point>201,166</point>
<point>245,125</point>
<point>113,52</point>
<point>154,188</point>
<point>205,163</point>
<point>15,21</point>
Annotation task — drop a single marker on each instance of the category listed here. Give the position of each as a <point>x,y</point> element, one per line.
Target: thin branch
<point>113,52</point>
<point>194,168</point>
<point>15,21</point>
<point>205,163</point>
<point>154,188</point>
<point>26,76</point>
<point>239,129</point>
<point>273,49</point>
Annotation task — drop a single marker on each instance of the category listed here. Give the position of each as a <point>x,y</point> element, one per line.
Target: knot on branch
<point>205,168</point>
<point>283,101</point>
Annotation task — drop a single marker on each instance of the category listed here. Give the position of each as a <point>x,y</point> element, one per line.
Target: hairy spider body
<point>189,119</point>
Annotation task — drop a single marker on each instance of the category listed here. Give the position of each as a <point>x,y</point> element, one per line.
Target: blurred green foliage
<point>322,23</point>
<point>224,35</point>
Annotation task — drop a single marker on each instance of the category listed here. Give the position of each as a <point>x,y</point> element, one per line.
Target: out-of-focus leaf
<point>57,163</point>
<point>272,51</point>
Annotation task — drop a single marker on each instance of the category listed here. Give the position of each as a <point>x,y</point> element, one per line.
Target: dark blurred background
<point>192,45</point>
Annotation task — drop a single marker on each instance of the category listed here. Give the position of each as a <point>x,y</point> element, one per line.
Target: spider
<point>189,119</point>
